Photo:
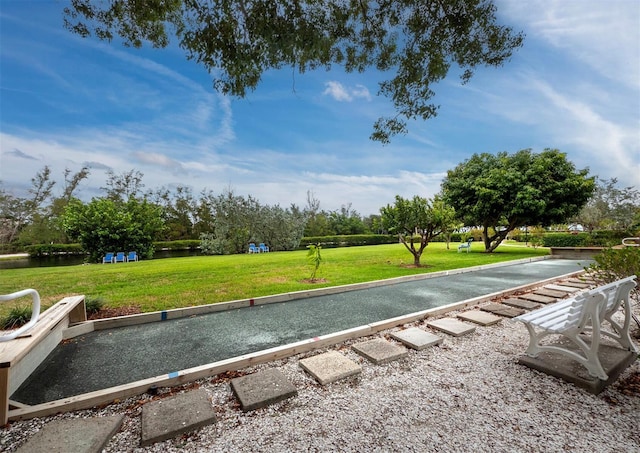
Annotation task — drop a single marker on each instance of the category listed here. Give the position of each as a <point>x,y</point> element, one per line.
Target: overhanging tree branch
<point>414,42</point>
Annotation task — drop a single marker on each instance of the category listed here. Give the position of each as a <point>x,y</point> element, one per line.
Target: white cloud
<point>360,91</point>
<point>337,91</point>
<point>603,34</point>
<point>345,94</point>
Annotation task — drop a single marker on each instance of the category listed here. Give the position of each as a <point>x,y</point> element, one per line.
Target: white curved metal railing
<point>35,312</point>
<point>631,242</point>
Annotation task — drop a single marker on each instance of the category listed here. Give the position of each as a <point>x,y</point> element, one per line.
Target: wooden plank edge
<point>115,394</point>
<point>16,349</point>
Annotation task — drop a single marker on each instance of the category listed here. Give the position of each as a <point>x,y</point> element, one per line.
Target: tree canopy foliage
<point>421,216</point>
<point>104,225</point>
<point>501,192</point>
<point>611,207</point>
<point>415,42</point>
<point>35,218</point>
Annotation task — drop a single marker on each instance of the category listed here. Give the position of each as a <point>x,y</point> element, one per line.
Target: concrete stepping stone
<point>330,367</point>
<point>81,435</point>
<point>538,298</point>
<point>380,351</point>
<point>566,289</point>
<point>550,293</point>
<point>480,317</point>
<point>502,310</point>
<point>575,284</point>
<point>521,303</point>
<point>167,418</point>
<point>452,326</point>
<point>417,338</point>
<point>261,389</point>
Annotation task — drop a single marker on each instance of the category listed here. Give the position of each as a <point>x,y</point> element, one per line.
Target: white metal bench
<point>582,315</point>
<point>465,245</point>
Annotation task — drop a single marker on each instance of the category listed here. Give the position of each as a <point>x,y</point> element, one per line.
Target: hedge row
<point>605,238</point>
<point>348,241</point>
<point>595,239</point>
<point>375,239</point>
<point>54,249</point>
<point>187,244</point>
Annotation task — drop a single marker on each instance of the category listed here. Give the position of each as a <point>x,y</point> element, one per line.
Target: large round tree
<point>104,225</point>
<point>502,192</point>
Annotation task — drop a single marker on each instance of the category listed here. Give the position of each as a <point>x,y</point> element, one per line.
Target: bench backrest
<point>581,306</point>
<point>615,293</point>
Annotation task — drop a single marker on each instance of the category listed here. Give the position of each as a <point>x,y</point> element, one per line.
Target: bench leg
<point>589,357</point>
<point>621,332</point>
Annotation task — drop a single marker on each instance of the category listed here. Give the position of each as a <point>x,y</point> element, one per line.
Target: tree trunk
<point>486,239</point>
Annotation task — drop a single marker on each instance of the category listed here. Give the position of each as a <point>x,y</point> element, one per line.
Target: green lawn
<point>179,282</point>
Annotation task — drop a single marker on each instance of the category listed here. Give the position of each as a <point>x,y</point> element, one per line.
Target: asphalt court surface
<point>107,358</point>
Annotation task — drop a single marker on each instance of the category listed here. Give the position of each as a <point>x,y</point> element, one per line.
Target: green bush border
<point>348,240</point>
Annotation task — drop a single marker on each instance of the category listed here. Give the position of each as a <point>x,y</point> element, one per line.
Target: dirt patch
<point>114,312</point>
<point>315,280</point>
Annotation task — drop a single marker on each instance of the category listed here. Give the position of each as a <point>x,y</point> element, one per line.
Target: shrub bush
<point>17,317</point>
<point>604,238</point>
<point>565,240</point>
<point>348,240</point>
<point>54,249</point>
<point>186,244</point>
<point>93,304</point>
<point>614,264</point>
<point>607,238</point>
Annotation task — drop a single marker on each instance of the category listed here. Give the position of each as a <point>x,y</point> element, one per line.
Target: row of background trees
<point>497,193</point>
<point>128,217</point>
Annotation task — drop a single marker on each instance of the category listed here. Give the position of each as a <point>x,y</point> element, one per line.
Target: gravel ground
<point>469,394</point>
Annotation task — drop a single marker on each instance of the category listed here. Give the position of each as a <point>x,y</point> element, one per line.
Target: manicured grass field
<point>180,282</point>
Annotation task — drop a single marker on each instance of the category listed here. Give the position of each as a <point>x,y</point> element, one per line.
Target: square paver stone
<point>533,297</point>
<point>550,293</point>
<point>417,338</point>
<point>80,435</point>
<point>329,367</point>
<point>575,284</point>
<point>480,317</point>
<point>167,418</point>
<point>380,351</point>
<point>521,303</point>
<point>564,288</point>
<point>503,310</point>
<point>452,326</point>
<point>261,389</point>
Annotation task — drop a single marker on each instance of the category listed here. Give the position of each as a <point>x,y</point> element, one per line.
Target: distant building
<point>575,228</point>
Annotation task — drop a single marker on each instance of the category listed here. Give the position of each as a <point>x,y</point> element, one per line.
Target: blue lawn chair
<point>253,248</point>
<point>263,248</point>
<point>108,258</point>
<point>120,257</point>
<point>132,256</point>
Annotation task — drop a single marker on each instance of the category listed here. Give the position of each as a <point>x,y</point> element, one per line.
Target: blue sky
<point>68,102</point>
